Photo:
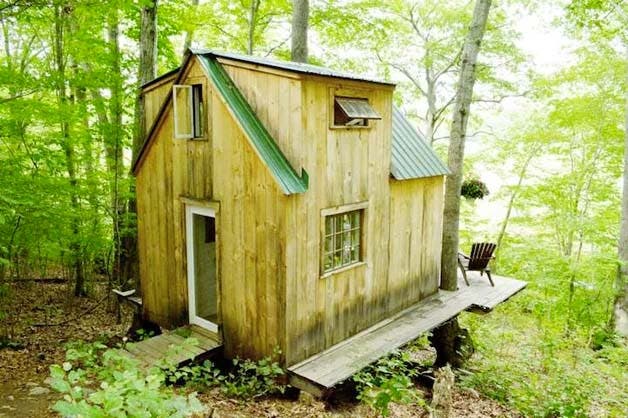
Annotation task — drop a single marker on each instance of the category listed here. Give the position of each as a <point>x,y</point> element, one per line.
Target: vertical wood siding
<point>271,291</point>
<point>154,97</point>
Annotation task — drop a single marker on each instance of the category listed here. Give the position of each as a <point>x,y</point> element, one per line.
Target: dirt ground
<point>42,317</point>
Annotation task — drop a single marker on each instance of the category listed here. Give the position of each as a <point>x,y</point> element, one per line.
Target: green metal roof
<point>287,65</point>
<point>412,157</point>
<point>260,139</point>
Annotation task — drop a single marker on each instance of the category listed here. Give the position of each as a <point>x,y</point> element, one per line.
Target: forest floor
<point>42,317</point>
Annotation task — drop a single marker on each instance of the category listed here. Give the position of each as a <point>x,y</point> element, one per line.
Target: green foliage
<point>252,379</point>
<point>204,375</point>
<point>105,383</point>
<point>98,382</point>
<point>245,379</point>
<point>387,381</point>
<point>535,352</point>
<point>474,189</point>
<point>143,334</point>
<point>183,332</point>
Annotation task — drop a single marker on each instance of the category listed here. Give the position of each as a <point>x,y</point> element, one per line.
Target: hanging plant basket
<point>474,189</point>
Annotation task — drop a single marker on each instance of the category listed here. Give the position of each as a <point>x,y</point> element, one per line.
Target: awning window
<point>355,108</point>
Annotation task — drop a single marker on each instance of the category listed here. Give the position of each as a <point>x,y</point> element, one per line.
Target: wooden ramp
<point>319,373</point>
<point>154,349</point>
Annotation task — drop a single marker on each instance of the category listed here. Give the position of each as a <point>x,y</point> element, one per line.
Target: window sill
<point>349,127</point>
<point>343,269</point>
<point>199,139</point>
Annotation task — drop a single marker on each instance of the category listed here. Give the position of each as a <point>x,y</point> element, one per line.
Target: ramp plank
<point>152,350</point>
<point>319,373</point>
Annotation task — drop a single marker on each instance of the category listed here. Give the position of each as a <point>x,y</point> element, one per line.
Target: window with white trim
<point>342,240</point>
<point>189,111</point>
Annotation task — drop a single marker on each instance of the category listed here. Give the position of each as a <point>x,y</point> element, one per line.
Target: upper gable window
<point>189,111</point>
<point>353,111</point>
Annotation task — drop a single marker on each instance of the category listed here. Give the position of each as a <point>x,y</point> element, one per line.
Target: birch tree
<point>446,338</point>
<point>455,157</point>
<point>300,16</point>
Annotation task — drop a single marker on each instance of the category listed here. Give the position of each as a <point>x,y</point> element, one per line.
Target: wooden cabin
<point>282,205</point>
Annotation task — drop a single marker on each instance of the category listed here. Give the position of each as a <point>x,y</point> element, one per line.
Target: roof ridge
<point>293,66</point>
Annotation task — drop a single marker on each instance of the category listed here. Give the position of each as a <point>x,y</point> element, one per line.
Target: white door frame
<point>190,211</point>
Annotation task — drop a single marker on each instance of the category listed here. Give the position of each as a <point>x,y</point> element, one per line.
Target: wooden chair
<point>481,254</point>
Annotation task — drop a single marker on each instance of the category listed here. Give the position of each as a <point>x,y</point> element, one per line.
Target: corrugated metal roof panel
<point>412,157</point>
<point>262,141</point>
<point>287,65</point>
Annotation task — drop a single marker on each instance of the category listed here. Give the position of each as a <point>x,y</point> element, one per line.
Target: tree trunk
<point>252,23</point>
<point>453,344</point>
<point>113,150</point>
<point>619,320</point>
<point>147,67</point>
<point>300,16</point>
<point>446,338</point>
<point>430,118</point>
<point>190,33</point>
<point>68,150</point>
<point>449,280</point>
<point>511,201</point>
<point>146,72</point>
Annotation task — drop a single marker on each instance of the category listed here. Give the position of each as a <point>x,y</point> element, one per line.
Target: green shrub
<point>388,380</point>
<point>142,334</point>
<point>527,357</point>
<point>106,383</point>
<point>202,375</point>
<point>252,379</point>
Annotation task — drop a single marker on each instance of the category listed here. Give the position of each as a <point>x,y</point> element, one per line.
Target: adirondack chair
<point>481,254</point>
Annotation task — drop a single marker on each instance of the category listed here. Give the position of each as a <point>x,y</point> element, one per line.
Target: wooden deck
<point>319,373</point>
<point>155,349</point>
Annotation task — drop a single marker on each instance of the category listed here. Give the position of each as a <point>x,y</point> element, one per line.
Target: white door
<point>201,257</point>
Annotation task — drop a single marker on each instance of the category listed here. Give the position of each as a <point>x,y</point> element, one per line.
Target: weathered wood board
<point>323,371</point>
<point>271,291</point>
<point>152,350</point>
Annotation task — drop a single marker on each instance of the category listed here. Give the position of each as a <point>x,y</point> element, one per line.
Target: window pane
<point>328,244</point>
<point>346,238</point>
<point>328,262</point>
<point>337,258</point>
<point>347,221</point>
<point>355,219</point>
<point>346,254</point>
<point>355,237</point>
<point>355,253</point>
<point>198,113</point>
<point>357,108</point>
<point>338,223</point>
<point>329,225</point>
<point>182,111</point>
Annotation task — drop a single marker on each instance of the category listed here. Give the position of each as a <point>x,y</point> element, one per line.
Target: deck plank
<point>153,350</point>
<point>322,371</point>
